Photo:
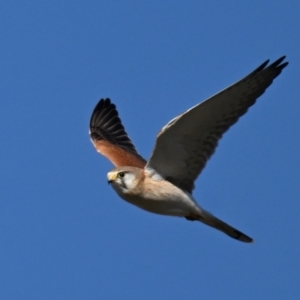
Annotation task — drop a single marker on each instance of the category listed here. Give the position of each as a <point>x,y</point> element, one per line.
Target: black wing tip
<point>105,124</point>
<point>103,108</point>
<point>277,64</point>
<point>103,103</point>
<point>242,237</point>
<point>104,115</point>
<point>262,66</point>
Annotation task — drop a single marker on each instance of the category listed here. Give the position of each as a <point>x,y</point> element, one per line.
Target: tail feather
<point>214,222</point>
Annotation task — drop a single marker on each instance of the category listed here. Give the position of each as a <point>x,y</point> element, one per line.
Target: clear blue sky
<point>64,233</point>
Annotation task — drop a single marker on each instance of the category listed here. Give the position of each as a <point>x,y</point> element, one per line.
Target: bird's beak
<point>111,176</point>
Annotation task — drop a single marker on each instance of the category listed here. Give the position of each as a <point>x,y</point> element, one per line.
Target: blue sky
<point>64,233</point>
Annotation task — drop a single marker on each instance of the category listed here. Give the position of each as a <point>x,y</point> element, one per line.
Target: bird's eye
<point>121,174</point>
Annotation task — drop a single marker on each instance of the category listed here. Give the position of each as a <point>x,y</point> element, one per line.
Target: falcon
<point>164,184</point>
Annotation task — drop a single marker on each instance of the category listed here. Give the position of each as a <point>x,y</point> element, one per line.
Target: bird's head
<point>124,179</point>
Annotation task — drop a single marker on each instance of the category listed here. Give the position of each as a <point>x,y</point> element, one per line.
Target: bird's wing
<point>110,138</point>
<point>186,143</point>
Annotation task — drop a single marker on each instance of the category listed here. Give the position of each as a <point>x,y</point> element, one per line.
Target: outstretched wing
<point>110,138</point>
<point>186,143</point>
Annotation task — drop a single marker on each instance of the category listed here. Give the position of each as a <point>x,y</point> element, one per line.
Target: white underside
<point>164,198</point>
<point>179,203</point>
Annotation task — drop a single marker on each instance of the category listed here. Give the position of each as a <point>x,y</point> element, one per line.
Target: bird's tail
<point>214,222</point>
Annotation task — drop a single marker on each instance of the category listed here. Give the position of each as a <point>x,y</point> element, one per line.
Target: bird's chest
<point>159,198</point>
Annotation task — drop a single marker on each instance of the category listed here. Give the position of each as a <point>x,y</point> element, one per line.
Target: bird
<point>164,184</point>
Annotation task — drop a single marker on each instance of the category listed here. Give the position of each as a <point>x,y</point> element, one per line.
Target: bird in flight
<point>164,184</point>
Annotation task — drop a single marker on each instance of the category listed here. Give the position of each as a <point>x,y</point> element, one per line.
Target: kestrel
<point>164,184</point>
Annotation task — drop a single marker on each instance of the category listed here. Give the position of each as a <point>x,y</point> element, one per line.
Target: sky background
<point>64,233</point>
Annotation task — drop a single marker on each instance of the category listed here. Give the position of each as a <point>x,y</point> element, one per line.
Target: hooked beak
<point>111,177</point>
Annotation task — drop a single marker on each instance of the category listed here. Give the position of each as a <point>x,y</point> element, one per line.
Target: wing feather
<point>110,138</point>
<point>185,144</point>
